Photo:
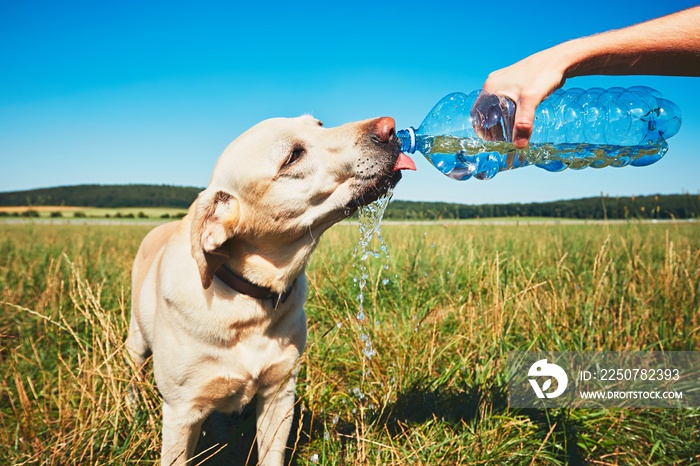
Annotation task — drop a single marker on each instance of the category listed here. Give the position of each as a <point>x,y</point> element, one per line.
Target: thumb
<point>524,121</point>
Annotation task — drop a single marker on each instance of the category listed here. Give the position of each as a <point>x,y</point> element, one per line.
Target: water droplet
<point>358,393</point>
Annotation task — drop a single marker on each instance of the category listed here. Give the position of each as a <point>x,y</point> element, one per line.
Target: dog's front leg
<point>180,435</point>
<point>275,411</point>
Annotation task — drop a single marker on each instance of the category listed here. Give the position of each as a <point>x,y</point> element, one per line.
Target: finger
<point>477,118</point>
<point>487,117</point>
<point>524,122</point>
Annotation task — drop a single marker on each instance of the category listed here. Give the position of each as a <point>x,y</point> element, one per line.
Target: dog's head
<point>281,184</point>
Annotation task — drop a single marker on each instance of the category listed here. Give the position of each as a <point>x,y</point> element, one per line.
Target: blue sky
<point>152,92</point>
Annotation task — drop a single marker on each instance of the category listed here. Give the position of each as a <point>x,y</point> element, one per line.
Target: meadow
<point>453,302</point>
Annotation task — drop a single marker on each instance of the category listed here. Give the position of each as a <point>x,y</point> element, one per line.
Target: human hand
<point>527,83</point>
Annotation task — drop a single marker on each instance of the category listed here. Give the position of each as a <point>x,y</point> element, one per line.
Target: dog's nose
<point>384,129</point>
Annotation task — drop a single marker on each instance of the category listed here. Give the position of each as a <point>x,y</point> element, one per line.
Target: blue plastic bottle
<point>575,129</point>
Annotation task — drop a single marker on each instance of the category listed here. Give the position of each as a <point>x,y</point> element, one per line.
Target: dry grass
<point>458,300</point>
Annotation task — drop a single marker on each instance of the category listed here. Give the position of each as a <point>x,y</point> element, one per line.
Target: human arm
<point>669,45</point>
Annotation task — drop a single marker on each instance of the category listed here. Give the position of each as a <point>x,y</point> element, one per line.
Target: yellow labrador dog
<point>217,298</point>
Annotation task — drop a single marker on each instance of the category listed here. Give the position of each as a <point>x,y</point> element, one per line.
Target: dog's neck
<point>267,267</point>
<point>243,286</point>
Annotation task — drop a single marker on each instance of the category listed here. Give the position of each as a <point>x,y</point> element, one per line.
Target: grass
<point>458,299</point>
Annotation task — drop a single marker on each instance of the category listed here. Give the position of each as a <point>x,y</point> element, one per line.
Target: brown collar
<point>241,285</point>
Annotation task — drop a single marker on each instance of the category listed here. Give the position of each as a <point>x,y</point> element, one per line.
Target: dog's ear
<point>216,217</point>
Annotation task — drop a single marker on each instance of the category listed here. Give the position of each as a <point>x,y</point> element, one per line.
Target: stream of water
<point>370,218</point>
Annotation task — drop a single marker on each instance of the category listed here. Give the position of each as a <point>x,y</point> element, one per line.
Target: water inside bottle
<point>462,158</point>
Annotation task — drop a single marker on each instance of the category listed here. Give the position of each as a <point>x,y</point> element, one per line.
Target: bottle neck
<point>408,139</point>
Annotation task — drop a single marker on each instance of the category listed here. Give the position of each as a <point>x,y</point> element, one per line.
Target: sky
<point>152,92</point>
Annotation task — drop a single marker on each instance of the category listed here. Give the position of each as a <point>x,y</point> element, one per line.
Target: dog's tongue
<point>404,162</point>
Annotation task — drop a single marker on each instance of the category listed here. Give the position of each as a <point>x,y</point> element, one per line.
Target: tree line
<point>669,206</point>
<point>112,196</point>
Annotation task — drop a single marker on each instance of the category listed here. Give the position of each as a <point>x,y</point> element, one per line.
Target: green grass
<point>459,298</point>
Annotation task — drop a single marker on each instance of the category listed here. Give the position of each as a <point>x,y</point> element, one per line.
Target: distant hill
<point>679,206</point>
<point>94,195</point>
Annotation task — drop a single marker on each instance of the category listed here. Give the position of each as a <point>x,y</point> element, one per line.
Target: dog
<point>217,298</point>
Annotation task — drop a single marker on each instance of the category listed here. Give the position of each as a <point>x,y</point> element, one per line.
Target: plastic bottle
<point>575,129</point>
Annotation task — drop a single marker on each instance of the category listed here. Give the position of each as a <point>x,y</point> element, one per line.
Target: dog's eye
<point>294,156</point>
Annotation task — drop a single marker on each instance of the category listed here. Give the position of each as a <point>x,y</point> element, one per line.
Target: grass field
<point>457,300</point>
